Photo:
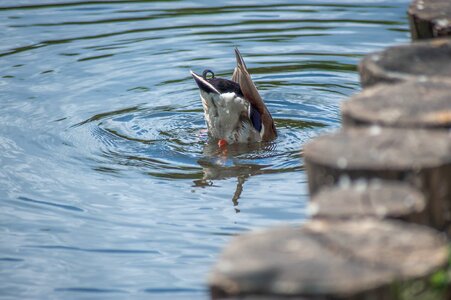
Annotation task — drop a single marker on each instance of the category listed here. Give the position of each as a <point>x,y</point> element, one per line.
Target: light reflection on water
<point>109,186</point>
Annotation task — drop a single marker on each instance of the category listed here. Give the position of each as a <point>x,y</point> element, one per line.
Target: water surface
<point>109,187</point>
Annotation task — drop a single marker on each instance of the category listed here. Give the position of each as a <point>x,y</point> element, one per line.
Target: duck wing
<point>243,78</point>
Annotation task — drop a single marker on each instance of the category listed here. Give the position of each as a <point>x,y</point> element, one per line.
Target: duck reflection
<point>233,161</point>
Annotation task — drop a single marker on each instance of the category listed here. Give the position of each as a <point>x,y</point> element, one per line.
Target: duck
<point>234,111</point>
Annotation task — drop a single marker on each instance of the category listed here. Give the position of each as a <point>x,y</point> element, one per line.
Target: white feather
<point>222,114</point>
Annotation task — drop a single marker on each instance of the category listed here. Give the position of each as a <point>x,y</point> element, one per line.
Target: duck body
<point>233,109</point>
<point>227,114</point>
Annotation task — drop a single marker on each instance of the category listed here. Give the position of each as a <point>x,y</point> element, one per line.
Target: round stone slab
<point>380,199</point>
<point>414,103</point>
<point>327,258</point>
<point>380,148</point>
<point>430,18</point>
<point>421,60</point>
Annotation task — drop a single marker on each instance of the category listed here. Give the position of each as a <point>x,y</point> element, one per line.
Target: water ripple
<point>112,251</point>
<point>68,207</point>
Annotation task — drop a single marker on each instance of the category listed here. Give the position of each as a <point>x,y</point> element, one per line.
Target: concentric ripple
<point>172,143</point>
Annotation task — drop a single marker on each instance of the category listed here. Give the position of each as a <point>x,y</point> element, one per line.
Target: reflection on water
<point>109,185</point>
<point>236,161</point>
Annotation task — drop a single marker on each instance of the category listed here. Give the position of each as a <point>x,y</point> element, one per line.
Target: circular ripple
<point>167,142</point>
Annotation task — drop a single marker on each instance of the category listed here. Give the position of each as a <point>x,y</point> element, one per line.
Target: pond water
<point>109,187</point>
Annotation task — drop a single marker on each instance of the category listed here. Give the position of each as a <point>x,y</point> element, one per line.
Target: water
<point>108,185</point>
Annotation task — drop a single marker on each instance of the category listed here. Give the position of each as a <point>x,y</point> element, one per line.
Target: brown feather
<point>242,77</point>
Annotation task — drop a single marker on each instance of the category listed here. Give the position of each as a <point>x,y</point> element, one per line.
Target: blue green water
<point>108,186</point>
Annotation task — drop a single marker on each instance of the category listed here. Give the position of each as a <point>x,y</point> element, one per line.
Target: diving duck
<point>234,110</point>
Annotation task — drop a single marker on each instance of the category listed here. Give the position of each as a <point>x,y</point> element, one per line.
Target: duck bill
<point>203,84</point>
